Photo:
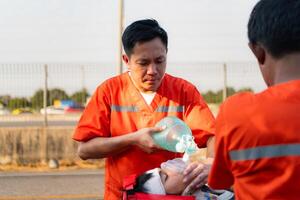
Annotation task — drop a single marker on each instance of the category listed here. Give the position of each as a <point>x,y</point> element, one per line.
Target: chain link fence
<point>64,88</point>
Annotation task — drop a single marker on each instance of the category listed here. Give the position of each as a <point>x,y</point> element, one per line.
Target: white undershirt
<point>147,96</point>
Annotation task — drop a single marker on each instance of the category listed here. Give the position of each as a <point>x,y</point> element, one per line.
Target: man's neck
<point>287,68</point>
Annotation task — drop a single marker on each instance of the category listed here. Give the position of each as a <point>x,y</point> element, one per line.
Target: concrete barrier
<point>29,145</point>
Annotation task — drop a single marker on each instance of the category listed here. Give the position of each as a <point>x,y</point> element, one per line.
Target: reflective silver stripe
<point>169,109</point>
<point>118,108</point>
<point>265,152</point>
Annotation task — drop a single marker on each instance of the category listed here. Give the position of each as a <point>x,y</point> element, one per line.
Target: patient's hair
<point>140,181</point>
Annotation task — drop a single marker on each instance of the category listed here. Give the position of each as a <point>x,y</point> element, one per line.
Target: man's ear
<point>125,59</point>
<point>259,52</point>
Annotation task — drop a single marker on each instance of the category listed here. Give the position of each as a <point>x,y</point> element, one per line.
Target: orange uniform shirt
<point>117,108</point>
<point>257,147</point>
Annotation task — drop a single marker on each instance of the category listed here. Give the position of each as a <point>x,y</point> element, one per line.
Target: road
<point>36,123</point>
<point>78,184</point>
<point>24,120</point>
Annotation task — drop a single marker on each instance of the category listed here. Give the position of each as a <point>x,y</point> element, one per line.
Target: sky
<point>86,31</point>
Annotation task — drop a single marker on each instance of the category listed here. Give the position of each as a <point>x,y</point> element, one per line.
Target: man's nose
<point>152,69</point>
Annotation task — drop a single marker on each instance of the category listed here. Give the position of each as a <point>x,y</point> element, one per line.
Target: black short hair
<point>140,181</point>
<point>142,31</point>
<point>275,24</point>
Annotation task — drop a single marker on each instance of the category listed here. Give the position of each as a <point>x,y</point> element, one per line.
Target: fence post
<point>83,85</point>
<point>45,95</point>
<point>225,81</point>
<point>43,138</point>
<point>121,15</point>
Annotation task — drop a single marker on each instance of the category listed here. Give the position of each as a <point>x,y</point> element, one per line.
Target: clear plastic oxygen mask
<point>176,137</point>
<point>186,145</point>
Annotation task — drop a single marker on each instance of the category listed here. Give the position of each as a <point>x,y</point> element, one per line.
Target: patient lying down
<point>169,180</point>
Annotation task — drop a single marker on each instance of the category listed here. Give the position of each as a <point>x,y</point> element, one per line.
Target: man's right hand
<point>102,147</point>
<point>143,139</point>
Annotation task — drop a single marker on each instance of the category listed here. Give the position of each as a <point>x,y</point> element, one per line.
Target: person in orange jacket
<point>257,147</point>
<point>119,120</point>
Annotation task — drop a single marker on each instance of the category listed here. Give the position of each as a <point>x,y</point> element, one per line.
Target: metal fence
<point>23,86</point>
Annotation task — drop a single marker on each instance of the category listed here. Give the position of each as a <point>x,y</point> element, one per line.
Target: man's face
<point>147,64</point>
<point>172,181</point>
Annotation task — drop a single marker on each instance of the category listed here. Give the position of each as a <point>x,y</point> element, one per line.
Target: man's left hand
<point>196,173</point>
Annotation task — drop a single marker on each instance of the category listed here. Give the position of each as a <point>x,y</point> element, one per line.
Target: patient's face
<point>172,181</point>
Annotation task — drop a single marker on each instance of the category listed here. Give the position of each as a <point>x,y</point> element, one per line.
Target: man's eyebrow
<point>142,59</point>
<point>161,57</point>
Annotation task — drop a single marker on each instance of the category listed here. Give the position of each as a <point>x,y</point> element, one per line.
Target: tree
<point>246,89</point>
<point>37,100</point>
<point>210,97</point>
<point>80,96</point>
<point>18,103</point>
<point>57,94</point>
<point>230,91</point>
<point>217,97</point>
<point>5,99</point>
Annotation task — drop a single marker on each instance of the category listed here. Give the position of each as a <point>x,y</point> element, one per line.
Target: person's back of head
<point>274,38</point>
<point>142,31</point>
<point>275,24</point>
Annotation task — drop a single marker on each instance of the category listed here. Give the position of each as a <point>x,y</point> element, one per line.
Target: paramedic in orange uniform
<point>258,135</point>
<point>118,121</point>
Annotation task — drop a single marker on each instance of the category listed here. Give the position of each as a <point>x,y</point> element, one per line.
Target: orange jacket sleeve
<point>199,118</point>
<point>95,120</point>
